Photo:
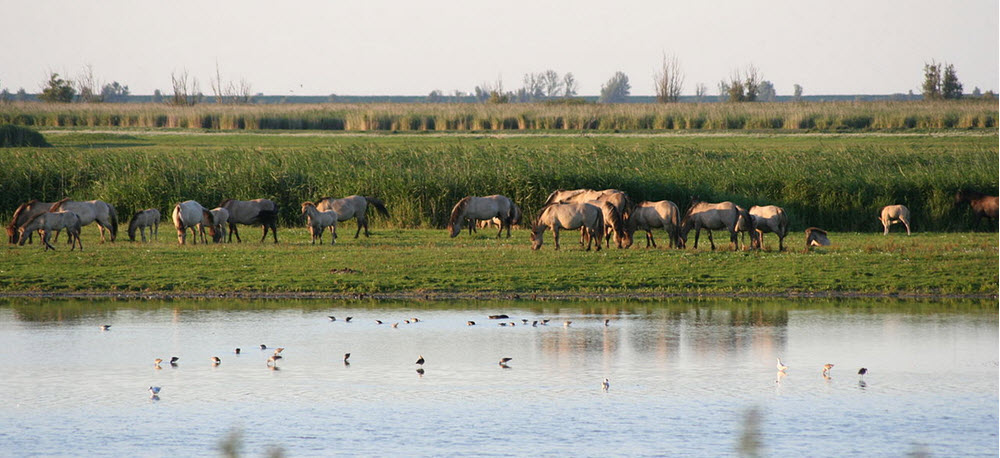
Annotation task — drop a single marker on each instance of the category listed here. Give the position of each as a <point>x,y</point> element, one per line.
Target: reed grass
<point>821,116</point>
<point>830,181</point>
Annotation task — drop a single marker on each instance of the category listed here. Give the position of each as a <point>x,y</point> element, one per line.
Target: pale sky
<point>376,47</point>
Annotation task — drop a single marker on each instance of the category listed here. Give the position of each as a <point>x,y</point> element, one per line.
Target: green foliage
<point>616,90</point>
<point>936,86</point>
<point>951,88</point>
<point>58,90</point>
<point>834,182</point>
<point>12,136</point>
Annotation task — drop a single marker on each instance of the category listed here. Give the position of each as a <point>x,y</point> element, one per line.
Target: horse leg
<point>598,236</point>
<point>649,239</point>
<point>711,241</point>
<point>555,235</point>
<point>885,226</point>
<point>363,220</point>
<point>45,240</point>
<point>906,223</point>
<point>234,230</point>
<point>358,232</point>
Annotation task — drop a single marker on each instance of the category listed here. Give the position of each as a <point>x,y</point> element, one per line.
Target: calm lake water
<point>684,376</point>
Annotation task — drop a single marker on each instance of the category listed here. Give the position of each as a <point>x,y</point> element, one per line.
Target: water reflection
<point>684,372</point>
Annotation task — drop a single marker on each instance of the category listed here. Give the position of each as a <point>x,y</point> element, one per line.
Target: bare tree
<point>570,85</point>
<point>743,86</point>
<point>798,93</point>
<point>669,81</point>
<point>88,88</point>
<point>183,93</point>
<point>700,91</point>
<point>553,84</point>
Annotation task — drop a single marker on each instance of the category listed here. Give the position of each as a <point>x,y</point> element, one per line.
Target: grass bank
<point>418,262</point>
<point>823,116</point>
<point>837,182</point>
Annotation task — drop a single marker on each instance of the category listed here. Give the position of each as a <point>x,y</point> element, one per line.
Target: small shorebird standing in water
<point>332,318</point>
<point>348,319</point>
<point>567,323</point>
<point>827,368</point>
<point>154,392</point>
<point>237,350</point>
<point>862,372</point>
<point>273,360</point>
<point>606,322</point>
<point>156,363</point>
<point>263,347</point>
<point>216,361</point>
<point>420,371</point>
<point>470,323</point>
<point>173,360</point>
<point>420,361</point>
<point>504,361</point>
<point>378,321</point>
<point>781,367</point>
<point>279,350</point>
<point>346,357</point>
<point>605,384</point>
<point>106,327</point>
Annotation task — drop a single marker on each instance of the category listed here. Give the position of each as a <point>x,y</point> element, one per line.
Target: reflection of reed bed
<point>823,116</point>
<point>836,183</point>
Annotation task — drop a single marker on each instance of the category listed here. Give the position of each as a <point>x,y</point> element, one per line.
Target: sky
<point>378,47</point>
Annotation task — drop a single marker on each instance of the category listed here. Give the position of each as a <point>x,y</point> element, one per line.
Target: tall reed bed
<point>837,183</point>
<point>823,116</point>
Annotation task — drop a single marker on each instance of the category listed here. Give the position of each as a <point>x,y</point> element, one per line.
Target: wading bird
<point>378,321</point>
<point>216,360</point>
<point>106,327</point>
<point>346,356</point>
<point>781,367</point>
<point>237,350</point>
<point>605,384</point>
<point>332,318</point>
<point>862,372</point>
<point>273,360</point>
<point>470,323</point>
<point>156,362</point>
<point>348,319</point>
<point>606,322</point>
<point>504,361</point>
<point>420,361</point>
<point>263,347</point>
<point>827,368</point>
<point>173,360</point>
<point>154,391</point>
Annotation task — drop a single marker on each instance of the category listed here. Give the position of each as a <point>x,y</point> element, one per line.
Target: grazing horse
<point>141,220</point>
<point>745,225</point>
<point>650,215</point>
<point>216,226</point>
<point>318,222</point>
<point>90,211</point>
<point>892,214</point>
<point>484,223</point>
<point>983,205</point>
<point>24,212</point>
<point>53,221</point>
<point>483,208</point>
<point>568,216</point>
<point>703,215</point>
<point>251,212</point>
<point>353,207</point>
<point>770,218</point>
<point>190,214</point>
<point>614,225</point>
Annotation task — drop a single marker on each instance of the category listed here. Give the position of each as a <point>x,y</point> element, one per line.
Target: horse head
<point>536,236</point>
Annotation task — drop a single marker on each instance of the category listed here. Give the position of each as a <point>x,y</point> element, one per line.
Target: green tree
<point>932,81</point>
<point>114,93</point>
<point>616,90</point>
<point>57,90</point>
<point>157,96</point>
<point>767,92</point>
<point>951,88</point>
<point>798,93</point>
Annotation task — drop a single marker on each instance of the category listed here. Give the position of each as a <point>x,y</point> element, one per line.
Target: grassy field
<point>824,116</point>
<point>838,182</point>
<point>429,262</point>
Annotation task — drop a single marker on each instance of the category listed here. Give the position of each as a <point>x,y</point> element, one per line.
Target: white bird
<point>781,367</point>
<point>605,384</point>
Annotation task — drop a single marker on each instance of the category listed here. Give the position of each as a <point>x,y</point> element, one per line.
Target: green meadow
<point>834,181</point>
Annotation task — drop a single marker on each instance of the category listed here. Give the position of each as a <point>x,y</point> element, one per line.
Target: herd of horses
<point>600,216</point>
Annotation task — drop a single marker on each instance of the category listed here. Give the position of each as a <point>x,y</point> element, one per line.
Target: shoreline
<point>486,296</point>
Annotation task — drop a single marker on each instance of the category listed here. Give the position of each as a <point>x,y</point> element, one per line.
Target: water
<point>683,374</point>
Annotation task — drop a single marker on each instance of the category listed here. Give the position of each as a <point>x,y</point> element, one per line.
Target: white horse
<point>318,221</point>
<point>190,214</point>
<point>483,208</point>
<point>149,218</point>
<point>703,215</point>
<point>90,211</point>
<point>892,214</point>
<point>352,207</point>
<point>49,222</point>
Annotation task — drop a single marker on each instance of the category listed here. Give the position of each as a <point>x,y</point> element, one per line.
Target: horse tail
<point>12,227</point>
<point>515,213</point>
<point>268,217</point>
<point>132,225</point>
<point>55,206</point>
<point>114,221</point>
<point>458,211</point>
<point>379,206</point>
<point>617,223</point>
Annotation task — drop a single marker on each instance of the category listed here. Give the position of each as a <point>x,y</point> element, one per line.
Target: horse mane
<point>308,203</point>
<point>32,219</point>
<point>207,214</point>
<point>458,211</point>
<point>224,202</point>
<point>55,206</point>
<point>687,214</point>
<point>132,224</point>
<point>17,213</point>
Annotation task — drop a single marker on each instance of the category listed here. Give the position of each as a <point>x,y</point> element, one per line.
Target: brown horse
<point>49,222</point>
<point>983,205</point>
<point>770,218</point>
<point>353,207</point>
<point>816,237</point>
<point>252,212</point>
<point>24,212</point>
<point>651,215</point>
<point>190,214</point>
<point>568,216</point>
<point>703,215</point>
<point>619,199</point>
<point>614,225</point>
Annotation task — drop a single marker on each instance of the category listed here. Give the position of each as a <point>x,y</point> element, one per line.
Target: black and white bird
<point>348,319</point>
<point>862,372</point>
<point>154,392</point>
<point>420,360</point>
<point>106,327</point>
<point>504,361</point>
<point>605,384</point>
<point>173,360</point>
<point>470,323</point>
<point>346,357</point>
<point>332,318</point>
<point>216,360</point>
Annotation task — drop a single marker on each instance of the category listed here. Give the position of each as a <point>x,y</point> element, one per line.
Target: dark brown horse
<point>252,212</point>
<point>24,212</point>
<point>982,205</point>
